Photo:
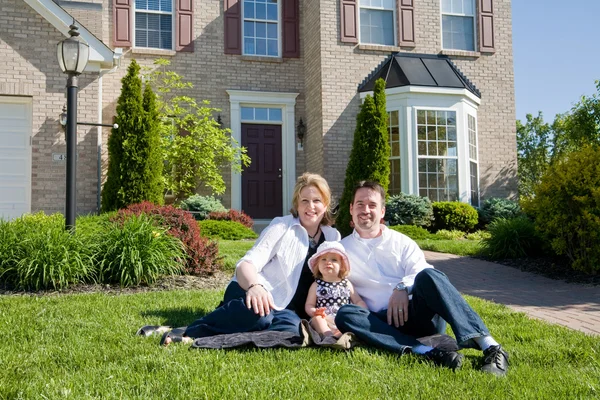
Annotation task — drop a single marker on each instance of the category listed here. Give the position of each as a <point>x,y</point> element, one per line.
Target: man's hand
<point>397,312</point>
<point>260,300</point>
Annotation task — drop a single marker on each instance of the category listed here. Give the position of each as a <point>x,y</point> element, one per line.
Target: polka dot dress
<point>332,295</point>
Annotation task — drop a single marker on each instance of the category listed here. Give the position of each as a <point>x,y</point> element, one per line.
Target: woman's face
<point>311,208</point>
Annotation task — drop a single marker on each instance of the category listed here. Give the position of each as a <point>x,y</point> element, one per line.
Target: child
<point>331,290</point>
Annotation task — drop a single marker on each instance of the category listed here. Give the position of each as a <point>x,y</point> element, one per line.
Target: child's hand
<point>320,312</point>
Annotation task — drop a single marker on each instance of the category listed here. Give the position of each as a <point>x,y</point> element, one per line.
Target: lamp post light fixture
<point>73,54</point>
<point>301,130</point>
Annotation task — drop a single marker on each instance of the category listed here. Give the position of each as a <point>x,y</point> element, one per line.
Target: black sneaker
<point>495,361</point>
<point>448,359</point>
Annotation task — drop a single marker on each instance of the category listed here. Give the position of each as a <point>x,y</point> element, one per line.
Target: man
<point>405,295</point>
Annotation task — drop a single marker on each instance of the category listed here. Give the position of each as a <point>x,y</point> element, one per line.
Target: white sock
<point>421,349</point>
<point>485,341</point>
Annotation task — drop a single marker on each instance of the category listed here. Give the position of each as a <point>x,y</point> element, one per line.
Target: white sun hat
<point>328,247</point>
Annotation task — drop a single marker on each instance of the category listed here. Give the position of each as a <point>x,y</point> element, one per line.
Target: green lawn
<point>83,346</point>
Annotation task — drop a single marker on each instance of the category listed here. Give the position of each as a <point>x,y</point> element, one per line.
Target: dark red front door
<point>261,182</point>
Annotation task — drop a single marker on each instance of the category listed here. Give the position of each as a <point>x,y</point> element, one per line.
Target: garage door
<point>15,156</point>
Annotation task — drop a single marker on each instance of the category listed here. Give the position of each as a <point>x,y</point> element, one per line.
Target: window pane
<point>457,33</point>
<point>154,39</point>
<point>431,117</point>
<point>249,46</point>
<point>248,29</point>
<point>421,133</point>
<point>141,4</point>
<point>166,5</point>
<point>421,117</point>
<point>474,185</point>
<point>153,5</point>
<point>275,114</point>
<point>446,6</point>
<point>141,22</point>
<point>272,47</point>
<point>377,27</point>
<point>248,9</point>
<point>141,38</point>
<point>261,30</point>
<point>272,31</point>
<point>261,114</point>
<point>394,118</point>
<point>395,176</point>
<point>261,11</point>
<point>395,135</point>
<point>248,113</point>
<point>272,12</point>
<point>261,47</point>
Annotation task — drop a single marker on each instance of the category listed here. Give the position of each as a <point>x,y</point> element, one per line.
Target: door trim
<point>287,103</point>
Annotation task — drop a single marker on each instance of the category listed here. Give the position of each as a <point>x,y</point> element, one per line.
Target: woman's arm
<point>258,297</point>
<point>311,300</point>
<point>355,298</point>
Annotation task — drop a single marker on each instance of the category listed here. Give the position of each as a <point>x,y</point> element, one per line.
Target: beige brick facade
<point>326,77</point>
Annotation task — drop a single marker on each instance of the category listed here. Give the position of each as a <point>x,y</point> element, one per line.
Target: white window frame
<point>133,25</point>
<point>394,23</point>
<point>407,100</point>
<point>474,17</point>
<point>279,28</point>
<point>475,148</point>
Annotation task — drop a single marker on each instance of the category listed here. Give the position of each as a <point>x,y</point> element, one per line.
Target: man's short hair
<point>375,186</point>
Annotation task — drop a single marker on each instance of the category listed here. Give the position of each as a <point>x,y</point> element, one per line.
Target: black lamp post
<point>73,55</point>
<point>301,130</point>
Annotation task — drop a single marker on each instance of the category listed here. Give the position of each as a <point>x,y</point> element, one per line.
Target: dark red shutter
<point>348,21</point>
<point>233,24</point>
<point>291,28</point>
<point>487,43</point>
<point>122,23</point>
<point>184,21</point>
<point>406,25</point>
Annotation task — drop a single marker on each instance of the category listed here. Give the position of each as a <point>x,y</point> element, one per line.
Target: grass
<point>83,346</point>
<point>232,251</point>
<point>463,247</point>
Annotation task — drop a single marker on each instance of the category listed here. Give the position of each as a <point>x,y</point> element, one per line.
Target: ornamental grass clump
<point>511,238</point>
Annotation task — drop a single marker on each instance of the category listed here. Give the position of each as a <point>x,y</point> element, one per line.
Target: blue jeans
<point>433,297</point>
<point>232,316</point>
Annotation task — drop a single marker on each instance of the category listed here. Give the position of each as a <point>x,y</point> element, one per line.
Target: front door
<point>261,181</point>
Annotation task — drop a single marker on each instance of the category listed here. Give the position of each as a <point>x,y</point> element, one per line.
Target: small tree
<point>196,147</point>
<point>133,152</point>
<point>369,158</point>
<point>533,152</point>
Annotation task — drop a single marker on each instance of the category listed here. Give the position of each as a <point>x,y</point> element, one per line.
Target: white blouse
<point>279,254</point>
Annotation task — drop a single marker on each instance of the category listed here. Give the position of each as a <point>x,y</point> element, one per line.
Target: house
<point>268,65</point>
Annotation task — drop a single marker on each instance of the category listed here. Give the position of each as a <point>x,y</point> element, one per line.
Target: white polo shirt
<point>279,254</point>
<point>378,265</point>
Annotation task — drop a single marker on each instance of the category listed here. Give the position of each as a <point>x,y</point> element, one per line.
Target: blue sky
<point>556,46</point>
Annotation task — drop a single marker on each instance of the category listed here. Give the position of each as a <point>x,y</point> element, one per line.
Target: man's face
<point>367,210</point>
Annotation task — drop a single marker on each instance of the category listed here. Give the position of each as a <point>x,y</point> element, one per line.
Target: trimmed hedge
<point>454,215</point>
<point>228,230</point>
<point>232,215</point>
<point>413,232</point>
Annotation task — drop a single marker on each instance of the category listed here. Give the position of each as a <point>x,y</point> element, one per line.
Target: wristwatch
<point>401,286</point>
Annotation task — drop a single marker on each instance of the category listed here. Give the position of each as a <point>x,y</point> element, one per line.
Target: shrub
<point>232,215</point>
<point>454,215</point>
<point>135,251</point>
<point>413,232</point>
<point>511,238</point>
<point>496,207</point>
<point>566,207</point>
<point>228,230</point>
<point>445,234</point>
<point>202,206</point>
<point>478,235</point>
<point>202,254</point>
<point>38,253</point>
<point>408,209</point>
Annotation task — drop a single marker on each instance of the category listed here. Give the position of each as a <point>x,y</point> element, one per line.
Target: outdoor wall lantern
<point>301,130</point>
<point>73,54</point>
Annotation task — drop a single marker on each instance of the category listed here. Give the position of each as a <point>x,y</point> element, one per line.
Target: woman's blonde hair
<point>316,180</point>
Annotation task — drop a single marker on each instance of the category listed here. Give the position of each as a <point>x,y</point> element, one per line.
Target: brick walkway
<point>573,305</point>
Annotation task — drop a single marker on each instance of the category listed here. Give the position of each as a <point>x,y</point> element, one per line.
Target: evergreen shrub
<point>228,230</point>
<point>202,206</point>
<point>566,207</point>
<point>202,253</point>
<point>511,238</point>
<point>232,215</point>
<point>454,215</point>
<point>413,232</point>
<point>497,207</point>
<point>408,209</point>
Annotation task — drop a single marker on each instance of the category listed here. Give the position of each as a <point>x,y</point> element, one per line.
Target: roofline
<point>101,56</point>
<point>427,90</point>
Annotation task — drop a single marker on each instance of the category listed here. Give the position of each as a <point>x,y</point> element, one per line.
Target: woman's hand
<point>259,299</point>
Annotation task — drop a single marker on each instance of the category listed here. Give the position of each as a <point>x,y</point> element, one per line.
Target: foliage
<point>232,215</point>
<point>478,235</point>
<point>369,158</point>
<point>195,146</point>
<point>408,209</point>
<point>134,167</point>
<point>413,232</point>
<point>533,152</point>
<point>566,207</point>
<point>454,215</point>
<point>511,238</point>
<point>458,247</point>
<point>497,207</point>
<point>38,253</point>
<point>446,234</point>
<point>228,230</point>
<point>202,253</point>
<point>202,206</point>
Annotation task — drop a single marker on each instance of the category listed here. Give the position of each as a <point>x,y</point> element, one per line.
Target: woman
<point>271,282</point>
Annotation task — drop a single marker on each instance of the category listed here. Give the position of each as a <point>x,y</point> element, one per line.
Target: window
<point>154,24</point>
<point>437,155</point>
<point>261,114</point>
<point>458,24</point>
<point>473,165</point>
<point>377,22</point>
<point>261,27</point>
<point>395,172</point>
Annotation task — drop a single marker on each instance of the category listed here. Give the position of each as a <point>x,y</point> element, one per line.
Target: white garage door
<point>15,156</point>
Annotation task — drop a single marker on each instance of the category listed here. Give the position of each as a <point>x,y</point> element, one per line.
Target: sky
<point>556,47</point>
